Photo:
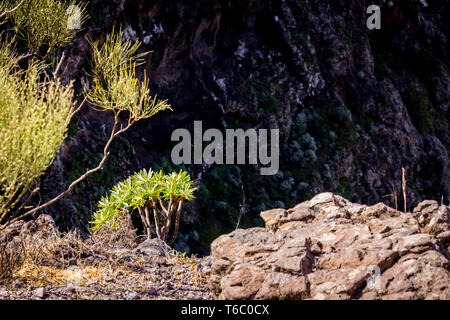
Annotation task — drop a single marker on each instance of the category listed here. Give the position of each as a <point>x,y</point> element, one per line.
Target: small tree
<point>163,193</point>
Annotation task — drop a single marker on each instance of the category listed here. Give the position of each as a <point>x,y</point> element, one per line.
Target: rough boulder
<point>330,248</point>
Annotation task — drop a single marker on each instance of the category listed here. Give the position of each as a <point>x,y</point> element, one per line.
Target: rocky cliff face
<point>330,248</point>
<point>353,105</point>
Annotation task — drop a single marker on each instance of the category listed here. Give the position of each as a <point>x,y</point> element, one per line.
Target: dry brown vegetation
<point>106,265</point>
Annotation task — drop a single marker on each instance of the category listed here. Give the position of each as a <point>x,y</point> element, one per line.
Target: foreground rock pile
<point>325,248</point>
<point>330,248</point>
<point>58,266</point>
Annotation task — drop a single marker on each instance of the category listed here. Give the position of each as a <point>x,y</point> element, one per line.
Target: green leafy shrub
<point>163,193</point>
<point>116,87</point>
<point>34,114</point>
<point>44,25</point>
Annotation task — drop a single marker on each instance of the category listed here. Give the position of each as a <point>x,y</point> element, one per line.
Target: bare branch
<point>55,73</point>
<point>74,111</point>
<point>177,222</point>
<point>155,216</point>
<point>241,211</point>
<point>12,10</point>
<point>81,178</point>
<point>164,208</point>
<point>404,189</point>
<point>32,193</point>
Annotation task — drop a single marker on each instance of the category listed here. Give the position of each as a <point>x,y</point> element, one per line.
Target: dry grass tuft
<point>58,250</point>
<point>40,255</point>
<point>11,259</point>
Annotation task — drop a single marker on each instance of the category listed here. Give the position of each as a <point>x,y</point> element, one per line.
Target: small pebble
<point>152,291</point>
<point>40,292</point>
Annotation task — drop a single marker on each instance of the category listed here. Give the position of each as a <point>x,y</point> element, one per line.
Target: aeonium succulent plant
<point>162,193</point>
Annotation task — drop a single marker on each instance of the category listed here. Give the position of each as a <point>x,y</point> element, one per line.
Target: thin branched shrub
<point>34,114</point>
<point>45,25</point>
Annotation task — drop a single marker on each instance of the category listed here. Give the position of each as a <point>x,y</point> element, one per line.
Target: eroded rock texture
<point>330,248</point>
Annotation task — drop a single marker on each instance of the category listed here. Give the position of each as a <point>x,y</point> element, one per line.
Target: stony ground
<point>140,276</point>
<point>54,265</point>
